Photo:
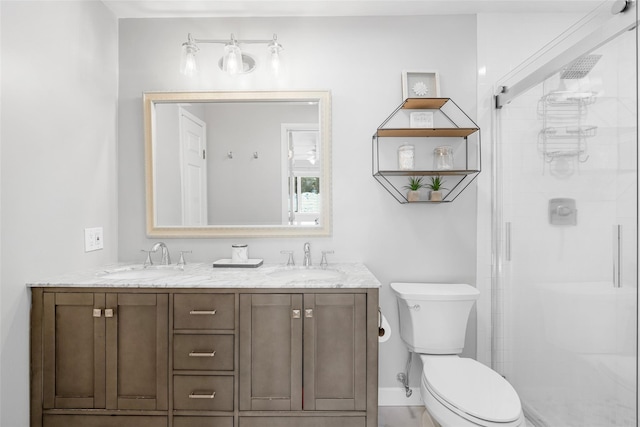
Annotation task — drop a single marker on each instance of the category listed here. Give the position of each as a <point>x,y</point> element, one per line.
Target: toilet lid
<point>472,388</point>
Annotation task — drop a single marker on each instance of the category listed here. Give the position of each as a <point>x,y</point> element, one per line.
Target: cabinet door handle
<point>203,312</point>
<point>308,312</point>
<point>202,353</point>
<point>108,312</point>
<point>295,314</point>
<point>209,395</point>
<point>97,312</point>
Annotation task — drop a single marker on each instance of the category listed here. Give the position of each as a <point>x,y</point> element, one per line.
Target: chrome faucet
<point>166,258</point>
<point>307,255</point>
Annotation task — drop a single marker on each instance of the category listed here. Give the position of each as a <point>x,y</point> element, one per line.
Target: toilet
<point>457,391</point>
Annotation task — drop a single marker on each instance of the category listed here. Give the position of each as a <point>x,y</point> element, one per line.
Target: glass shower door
<point>565,329</point>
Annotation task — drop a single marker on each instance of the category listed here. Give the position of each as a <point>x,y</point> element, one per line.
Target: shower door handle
<point>507,241</point>
<point>617,255</point>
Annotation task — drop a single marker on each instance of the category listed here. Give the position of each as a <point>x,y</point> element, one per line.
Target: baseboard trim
<point>396,396</point>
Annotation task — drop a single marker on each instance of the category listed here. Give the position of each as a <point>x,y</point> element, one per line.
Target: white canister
<point>239,253</point>
<point>406,157</point>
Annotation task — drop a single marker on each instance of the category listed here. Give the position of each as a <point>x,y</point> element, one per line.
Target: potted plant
<point>436,186</point>
<point>414,186</point>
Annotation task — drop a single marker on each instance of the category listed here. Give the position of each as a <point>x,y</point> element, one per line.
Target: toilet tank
<point>433,316</point>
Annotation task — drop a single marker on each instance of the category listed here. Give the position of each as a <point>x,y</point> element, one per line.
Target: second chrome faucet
<point>306,261</point>
<point>307,255</point>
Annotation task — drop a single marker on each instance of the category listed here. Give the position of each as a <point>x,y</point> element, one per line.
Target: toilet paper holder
<point>384,329</point>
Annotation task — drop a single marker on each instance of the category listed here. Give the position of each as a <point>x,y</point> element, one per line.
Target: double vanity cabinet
<point>232,348</point>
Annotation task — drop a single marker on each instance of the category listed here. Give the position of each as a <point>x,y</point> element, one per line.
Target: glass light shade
<point>232,60</point>
<point>273,56</point>
<point>188,63</point>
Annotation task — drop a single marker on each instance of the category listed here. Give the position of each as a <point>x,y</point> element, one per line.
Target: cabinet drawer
<point>202,421</point>
<point>203,392</point>
<point>103,421</point>
<point>203,352</point>
<point>204,311</point>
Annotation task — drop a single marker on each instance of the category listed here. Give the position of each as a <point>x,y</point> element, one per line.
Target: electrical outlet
<point>93,239</point>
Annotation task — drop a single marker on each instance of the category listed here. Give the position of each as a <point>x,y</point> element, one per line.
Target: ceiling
<point>274,8</point>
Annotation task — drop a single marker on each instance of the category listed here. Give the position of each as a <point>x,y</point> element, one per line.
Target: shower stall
<point>565,216</point>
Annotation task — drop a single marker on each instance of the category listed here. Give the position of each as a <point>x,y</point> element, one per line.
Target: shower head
<point>579,68</point>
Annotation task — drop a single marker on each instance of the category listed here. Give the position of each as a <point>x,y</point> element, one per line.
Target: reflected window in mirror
<point>303,171</point>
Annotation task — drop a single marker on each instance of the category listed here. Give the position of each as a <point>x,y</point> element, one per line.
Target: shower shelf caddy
<point>564,133</point>
<point>451,127</point>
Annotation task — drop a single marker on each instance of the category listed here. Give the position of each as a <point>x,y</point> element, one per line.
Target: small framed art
<point>421,119</point>
<point>420,84</point>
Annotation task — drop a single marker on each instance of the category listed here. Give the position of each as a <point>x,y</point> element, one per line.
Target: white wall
<point>58,95</point>
<point>360,60</point>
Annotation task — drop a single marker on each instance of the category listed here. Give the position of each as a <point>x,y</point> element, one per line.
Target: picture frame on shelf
<point>421,119</point>
<point>420,84</point>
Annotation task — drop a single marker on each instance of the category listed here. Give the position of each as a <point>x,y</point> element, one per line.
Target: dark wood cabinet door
<point>105,351</point>
<point>137,351</point>
<point>335,352</point>
<point>271,352</point>
<point>74,351</point>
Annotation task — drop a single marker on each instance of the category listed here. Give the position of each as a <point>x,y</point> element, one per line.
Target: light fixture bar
<point>233,60</point>
<point>232,39</point>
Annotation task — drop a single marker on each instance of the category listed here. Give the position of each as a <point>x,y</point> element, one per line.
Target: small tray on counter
<point>228,263</point>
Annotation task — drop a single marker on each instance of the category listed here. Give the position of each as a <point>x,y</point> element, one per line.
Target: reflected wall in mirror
<point>224,164</point>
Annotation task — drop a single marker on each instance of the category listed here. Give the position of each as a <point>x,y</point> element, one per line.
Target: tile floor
<point>400,416</point>
<point>406,416</point>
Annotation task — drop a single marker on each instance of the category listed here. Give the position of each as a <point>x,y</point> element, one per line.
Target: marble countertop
<point>204,275</point>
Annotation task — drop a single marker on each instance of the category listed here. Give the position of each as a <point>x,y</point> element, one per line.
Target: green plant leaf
<point>415,183</point>
<point>436,183</point>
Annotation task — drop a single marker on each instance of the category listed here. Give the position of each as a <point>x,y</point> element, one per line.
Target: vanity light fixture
<point>233,61</point>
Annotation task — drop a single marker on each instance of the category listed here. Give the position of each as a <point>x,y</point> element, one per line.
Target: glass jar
<point>443,158</point>
<point>406,157</point>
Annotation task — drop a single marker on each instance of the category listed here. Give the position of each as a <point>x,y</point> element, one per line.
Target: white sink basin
<point>304,274</point>
<point>141,272</point>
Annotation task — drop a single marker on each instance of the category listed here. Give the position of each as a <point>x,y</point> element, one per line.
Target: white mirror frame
<point>215,231</point>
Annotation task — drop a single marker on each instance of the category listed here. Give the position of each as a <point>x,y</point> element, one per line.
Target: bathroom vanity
<point>267,347</point>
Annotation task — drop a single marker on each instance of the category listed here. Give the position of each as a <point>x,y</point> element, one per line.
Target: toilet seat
<point>471,390</point>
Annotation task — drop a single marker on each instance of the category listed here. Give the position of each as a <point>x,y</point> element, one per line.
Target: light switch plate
<point>93,239</point>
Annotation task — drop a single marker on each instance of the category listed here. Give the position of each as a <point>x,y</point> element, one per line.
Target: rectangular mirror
<point>233,164</point>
